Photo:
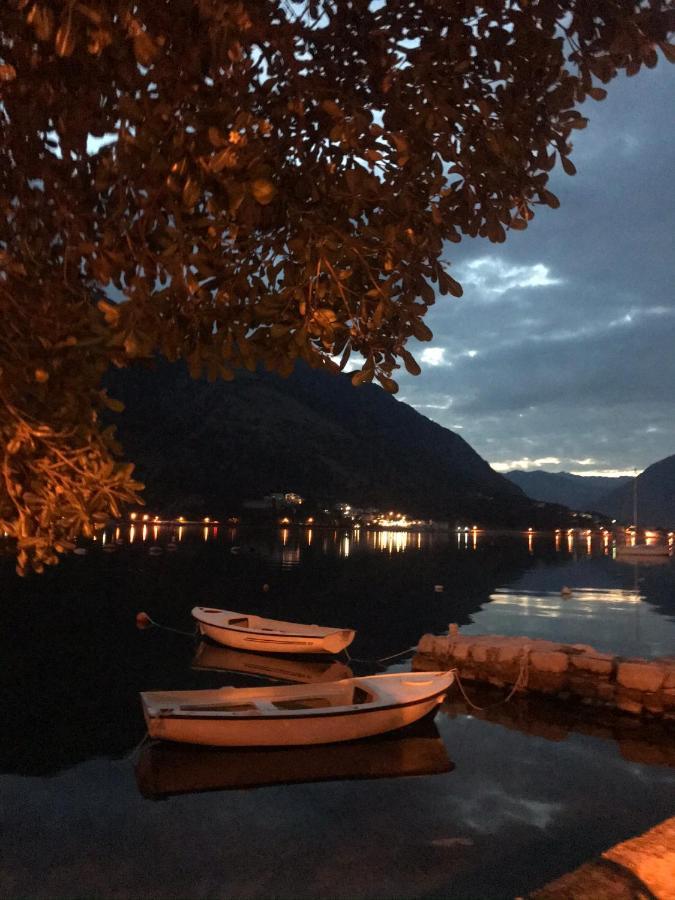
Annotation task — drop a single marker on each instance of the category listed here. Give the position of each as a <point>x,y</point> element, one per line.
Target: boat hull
<point>254,633</point>
<point>262,642</point>
<point>293,730</point>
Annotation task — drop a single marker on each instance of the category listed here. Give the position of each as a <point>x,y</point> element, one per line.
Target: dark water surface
<point>504,811</point>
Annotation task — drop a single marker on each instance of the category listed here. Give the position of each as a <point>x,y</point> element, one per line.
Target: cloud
<point>494,276</point>
<point>563,344</point>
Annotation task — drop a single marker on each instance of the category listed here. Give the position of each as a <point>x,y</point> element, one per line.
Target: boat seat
<point>242,622</point>
<point>361,696</point>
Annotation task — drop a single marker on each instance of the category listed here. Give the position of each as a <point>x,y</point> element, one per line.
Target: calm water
<point>500,812</point>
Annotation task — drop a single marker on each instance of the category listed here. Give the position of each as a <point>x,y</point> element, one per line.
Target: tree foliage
<point>253,183</point>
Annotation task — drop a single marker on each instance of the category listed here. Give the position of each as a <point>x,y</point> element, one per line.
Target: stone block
<point>509,651</point>
<point>653,702</point>
<point>582,687</point>
<point>669,680</point>
<point>425,643</point>
<point>640,675</point>
<point>461,650</point>
<point>668,699</point>
<point>549,661</point>
<point>650,858</point>
<point>629,700</point>
<point>479,653</point>
<point>441,647</point>
<point>605,691</point>
<point>597,663</point>
<point>546,682</point>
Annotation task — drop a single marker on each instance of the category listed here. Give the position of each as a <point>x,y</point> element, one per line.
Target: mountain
<point>583,492</point>
<point>655,497</point>
<point>206,447</point>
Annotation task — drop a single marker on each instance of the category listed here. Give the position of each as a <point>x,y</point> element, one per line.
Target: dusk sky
<point>561,353</point>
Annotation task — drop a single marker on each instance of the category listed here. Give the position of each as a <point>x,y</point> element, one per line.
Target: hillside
<point>204,448</point>
<point>580,492</point>
<point>655,496</point>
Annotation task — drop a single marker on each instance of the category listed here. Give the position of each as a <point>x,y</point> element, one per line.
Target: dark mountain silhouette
<point>655,497</point>
<point>205,447</point>
<point>583,492</point>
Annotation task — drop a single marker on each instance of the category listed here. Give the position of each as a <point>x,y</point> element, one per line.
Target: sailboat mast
<point>635,504</point>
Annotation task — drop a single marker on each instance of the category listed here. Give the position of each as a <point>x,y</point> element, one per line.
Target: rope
<point>381,659</point>
<point>521,681</point>
<point>169,628</point>
<point>135,750</point>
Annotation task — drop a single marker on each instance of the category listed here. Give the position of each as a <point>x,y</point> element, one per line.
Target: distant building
<point>287,498</point>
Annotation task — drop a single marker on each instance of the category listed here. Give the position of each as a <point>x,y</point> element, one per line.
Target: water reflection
<point>211,657</point>
<point>164,770</point>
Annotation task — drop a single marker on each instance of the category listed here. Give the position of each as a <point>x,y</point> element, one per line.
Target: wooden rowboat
<point>245,632</point>
<point>296,714</point>
<point>165,770</point>
<point>277,668</point>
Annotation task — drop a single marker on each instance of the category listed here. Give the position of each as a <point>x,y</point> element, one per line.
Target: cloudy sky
<point>561,354</point>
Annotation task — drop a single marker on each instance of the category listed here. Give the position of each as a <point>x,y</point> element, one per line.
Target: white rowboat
<point>296,714</point>
<point>245,632</point>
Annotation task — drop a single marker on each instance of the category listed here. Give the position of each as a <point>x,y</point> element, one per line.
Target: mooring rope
<point>521,681</point>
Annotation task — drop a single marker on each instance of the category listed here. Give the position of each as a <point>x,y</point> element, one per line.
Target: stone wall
<point>636,686</point>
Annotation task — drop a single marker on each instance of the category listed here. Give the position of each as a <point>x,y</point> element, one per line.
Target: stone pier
<point>637,686</point>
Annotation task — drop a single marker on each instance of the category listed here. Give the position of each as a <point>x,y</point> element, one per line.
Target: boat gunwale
<point>268,715</point>
<point>323,631</point>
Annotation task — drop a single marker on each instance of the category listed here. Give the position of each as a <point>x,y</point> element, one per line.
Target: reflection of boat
<point>296,714</point>
<point>163,770</point>
<point>246,632</point>
<point>208,656</point>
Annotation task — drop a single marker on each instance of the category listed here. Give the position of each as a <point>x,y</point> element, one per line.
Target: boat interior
<point>349,695</point>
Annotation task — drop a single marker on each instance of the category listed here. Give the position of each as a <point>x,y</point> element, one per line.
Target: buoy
<point>80,551</point>
<point>172,546</point>
<point>143,621</point>
<point>235,549</point>
<point>155,551</point>
<point>566,591</point>
<point>266,587</point>
<point>438,588</point>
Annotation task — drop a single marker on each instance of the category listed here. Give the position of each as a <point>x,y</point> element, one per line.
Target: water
<point>515,801</point>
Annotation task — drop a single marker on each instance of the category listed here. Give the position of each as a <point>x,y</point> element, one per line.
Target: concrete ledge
<point>643,867</point>
<point>638,687</point>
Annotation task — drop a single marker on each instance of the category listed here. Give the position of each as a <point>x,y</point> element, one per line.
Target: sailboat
<point>638,552</point>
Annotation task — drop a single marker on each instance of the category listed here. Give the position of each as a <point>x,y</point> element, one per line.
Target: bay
<point>512,808</point>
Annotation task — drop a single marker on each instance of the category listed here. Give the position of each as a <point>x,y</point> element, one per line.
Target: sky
<point>561,353</point>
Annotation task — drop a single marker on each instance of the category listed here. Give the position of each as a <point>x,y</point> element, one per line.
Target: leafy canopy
<point>255,183</point>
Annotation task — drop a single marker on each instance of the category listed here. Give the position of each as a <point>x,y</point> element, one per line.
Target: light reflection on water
<point>72,814</point>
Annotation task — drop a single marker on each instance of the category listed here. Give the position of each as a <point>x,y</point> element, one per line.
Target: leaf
<point>668,51</point>
<point>410,362</point>
<point>388,384</point>
<point>331,107</point>
<point>263,190</point>
<point>64,42</point>
<point>597,93</point>
<point>568,165</point>
<point>191,192</point>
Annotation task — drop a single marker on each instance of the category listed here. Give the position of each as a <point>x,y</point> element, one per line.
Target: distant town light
<point>133,517</point>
